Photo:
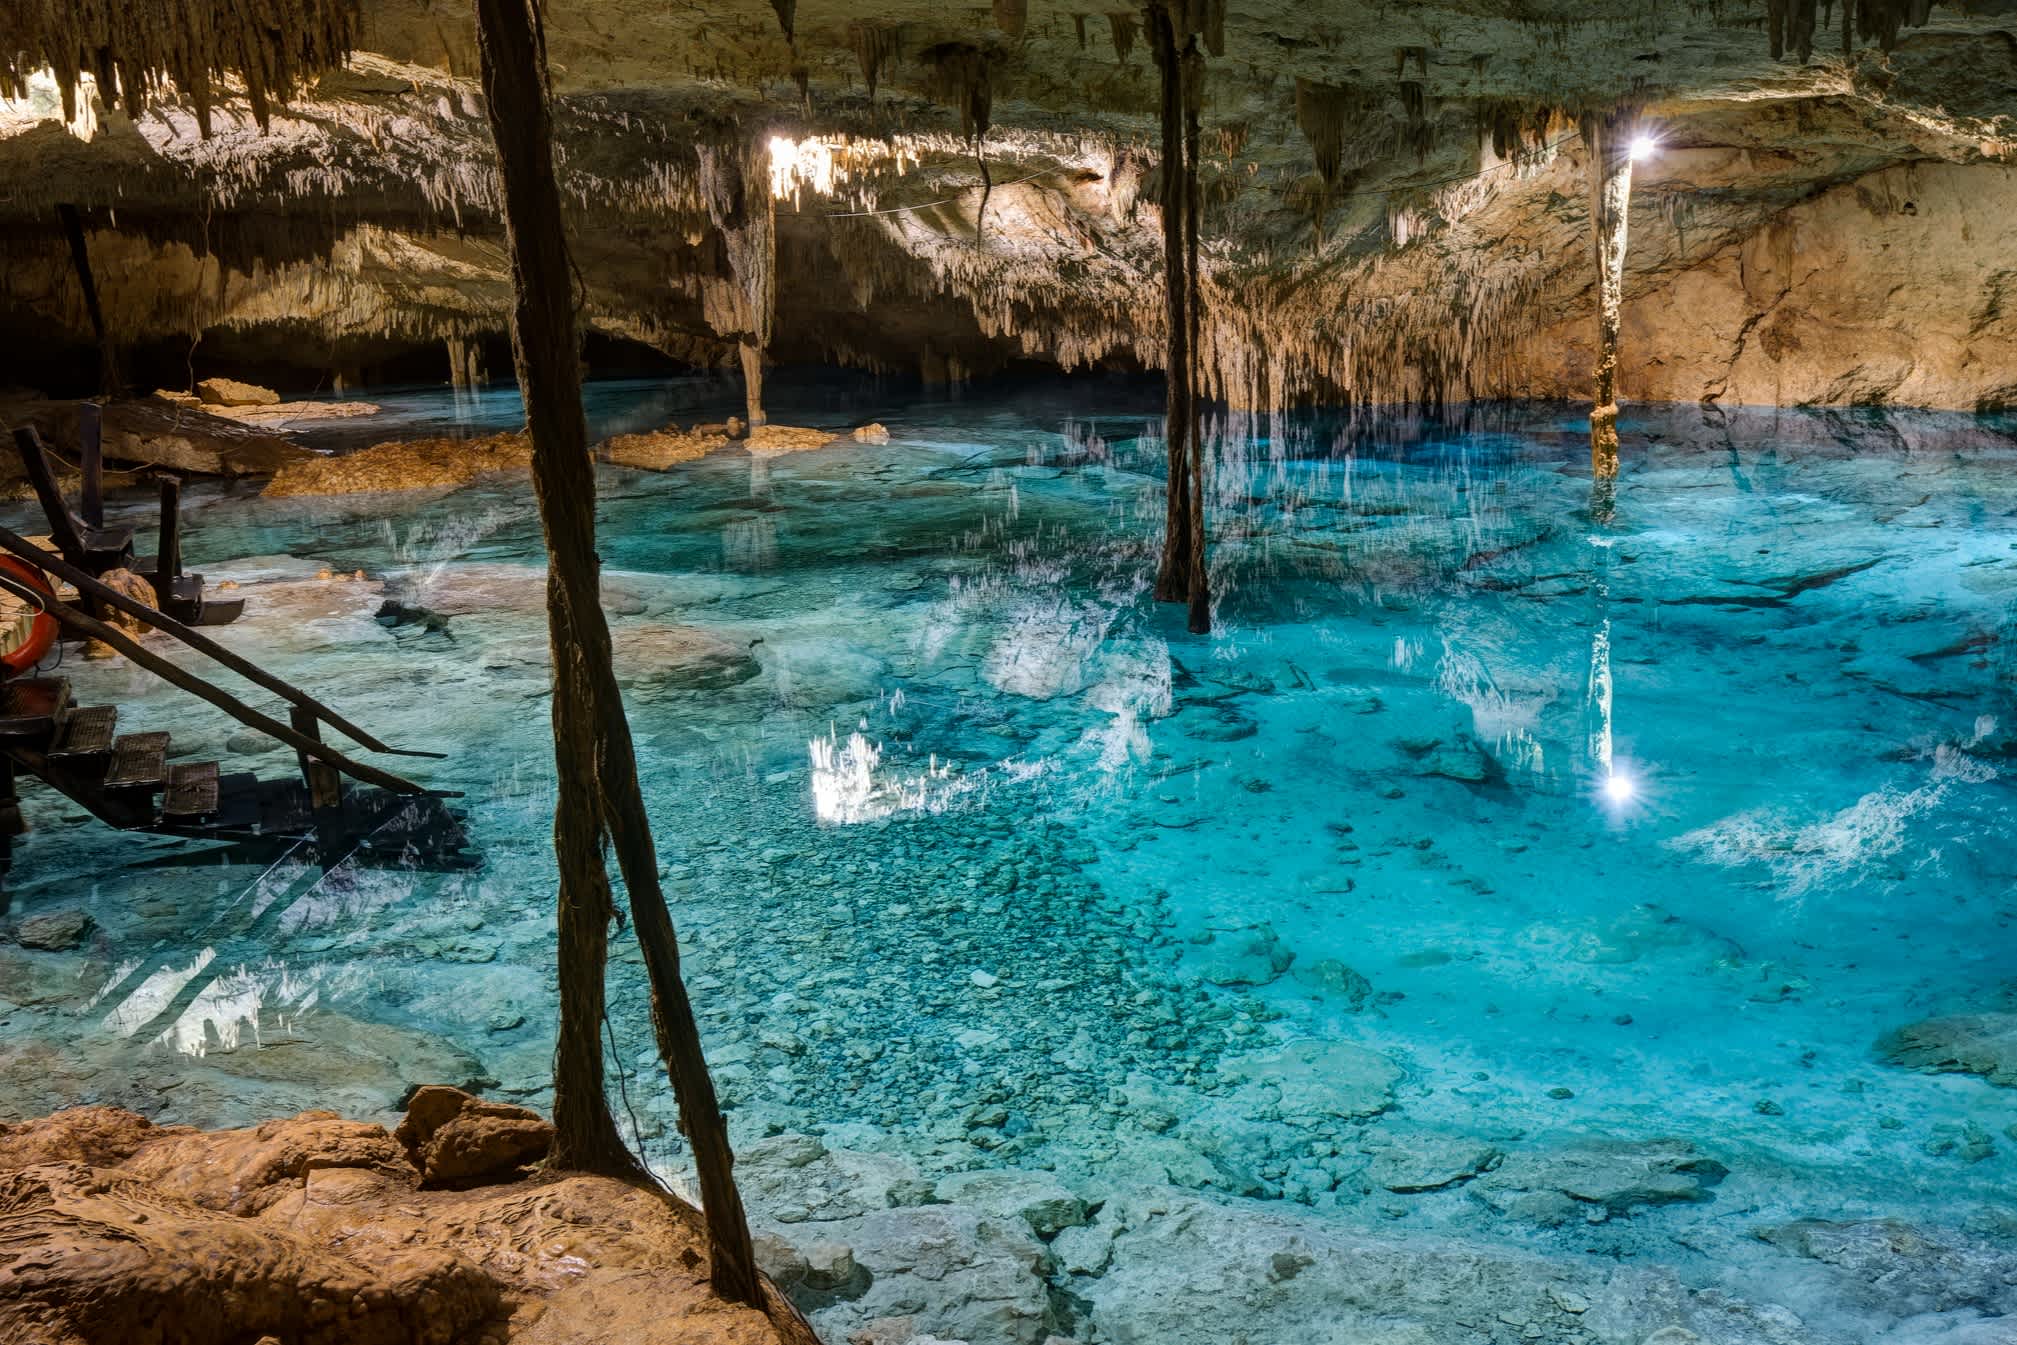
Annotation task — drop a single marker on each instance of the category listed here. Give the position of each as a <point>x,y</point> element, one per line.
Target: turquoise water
<point>979,858</point>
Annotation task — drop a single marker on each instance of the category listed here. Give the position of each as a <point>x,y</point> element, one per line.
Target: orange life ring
<point>42,627</point>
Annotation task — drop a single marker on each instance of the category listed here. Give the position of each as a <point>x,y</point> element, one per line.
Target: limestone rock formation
<point>456,1139</point>
<point>230,392</point>
<point>1825,226</point>
<point>54,931</point>
<point>415,464</point>
<point>318,1230</point>
<point>1981,1043</point>
<point>659,450</point>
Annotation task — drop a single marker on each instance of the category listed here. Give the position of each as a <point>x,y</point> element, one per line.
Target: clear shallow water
<point>983,859</point>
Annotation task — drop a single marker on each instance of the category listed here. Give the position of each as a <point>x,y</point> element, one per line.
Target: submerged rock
<point>1416,1163</point>
<point>872,433</point>
<point>1600,1178</point>
<point>1337,981</point>
<point>53,931</point>
<point>681,657</point>
<point>1981,1043</point>
<point>1253,956</point>
<point>1903,1269</point>
<point>1312,1078</point>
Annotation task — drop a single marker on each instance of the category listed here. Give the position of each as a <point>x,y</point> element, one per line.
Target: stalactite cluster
<point>130,49</point>
<point>734,178</point>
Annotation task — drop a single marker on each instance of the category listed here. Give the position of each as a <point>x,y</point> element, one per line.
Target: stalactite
<point>1079,27</point>
<point>962,76</point>
<point>787,17</point>
<point>274,47</point>
<point>1607,137</point>
<point>1011,16</point>
<point>876,44</point>
<point>1321,114</point>
<point>1791,24</point>
<point>734,178</point>
<point>1123,27</point>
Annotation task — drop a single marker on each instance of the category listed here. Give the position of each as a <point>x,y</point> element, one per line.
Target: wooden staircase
<point>128,781</point>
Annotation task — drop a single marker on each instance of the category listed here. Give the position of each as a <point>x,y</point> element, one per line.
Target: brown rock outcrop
<point>317,1231</point>
<point>770,441</point>
<point>453,1138</point>
<point>411,464</point>
<point>658,450</point>
<point>230,392</point>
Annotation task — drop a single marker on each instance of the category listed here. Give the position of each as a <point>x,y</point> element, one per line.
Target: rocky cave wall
<point>1394,211</point>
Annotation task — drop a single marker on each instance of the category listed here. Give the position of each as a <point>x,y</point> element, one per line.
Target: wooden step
<point>32,707</point>
<point>192,790</point>
<point>139,761</point>
<point>87,732</point>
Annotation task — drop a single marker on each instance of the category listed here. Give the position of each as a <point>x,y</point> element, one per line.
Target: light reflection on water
<point>1432,652</point>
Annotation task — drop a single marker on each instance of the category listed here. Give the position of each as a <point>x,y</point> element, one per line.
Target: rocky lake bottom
<point>1530,916</point>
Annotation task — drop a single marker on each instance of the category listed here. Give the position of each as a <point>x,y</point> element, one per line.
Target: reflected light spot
<point>1643,147</point>
<point>1619,788</point>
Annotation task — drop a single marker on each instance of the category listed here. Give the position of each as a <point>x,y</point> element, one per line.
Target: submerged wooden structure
<point>127,780</point>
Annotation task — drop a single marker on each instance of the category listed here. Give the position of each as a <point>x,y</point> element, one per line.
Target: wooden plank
<point>192,790</point>
<point>87,732</point>
<point>139,761</point>
<point>31,707</point>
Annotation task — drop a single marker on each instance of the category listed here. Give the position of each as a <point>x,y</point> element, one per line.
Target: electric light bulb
<point>1618,788</point>
<point>1643,147</point>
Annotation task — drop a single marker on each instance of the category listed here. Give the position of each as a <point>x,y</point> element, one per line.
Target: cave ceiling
<point>1395,194</point>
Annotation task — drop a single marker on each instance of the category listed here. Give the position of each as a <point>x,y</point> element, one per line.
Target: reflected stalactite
<point>1608,135</point>
<point>1182,575</point>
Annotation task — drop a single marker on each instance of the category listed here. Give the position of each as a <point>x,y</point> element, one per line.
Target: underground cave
<point>1213,672</point>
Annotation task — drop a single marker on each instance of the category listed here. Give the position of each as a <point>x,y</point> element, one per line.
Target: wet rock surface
<point>1984,1044</point>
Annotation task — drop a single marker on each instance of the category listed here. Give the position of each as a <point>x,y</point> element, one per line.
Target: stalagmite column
<point>598,798</point>
<point>734,181</point>
<point>1608,138</point>
<point>1174,31</point>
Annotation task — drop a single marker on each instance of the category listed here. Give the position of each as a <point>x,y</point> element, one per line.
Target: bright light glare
<point>1619,788</point>
<point>1643,147</point>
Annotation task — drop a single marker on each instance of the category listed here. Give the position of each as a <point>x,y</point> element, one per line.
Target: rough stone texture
<point>53,930</point>
<point>146,433</point>
<point>875,432</point>
<point>684,658</point>
<point>1597,1179</point>
<point>1253,956</point>
<point>658,450</point>
<point>1826,229</point>
<point>1982,1043</point>
<point>314,1231</point>
<point>230,392</point>
<point>1311,1078</point>
<point>456,1139</point>
<point>770,441</point>
<point>1185,1270</point>
<point>414,464</point>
